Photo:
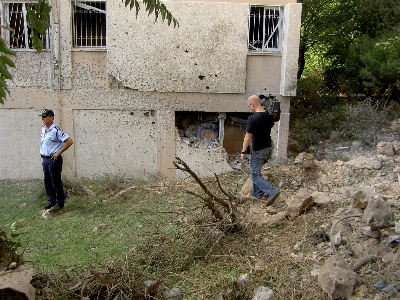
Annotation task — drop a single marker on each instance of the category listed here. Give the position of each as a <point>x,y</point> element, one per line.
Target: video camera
<point>272,105</point>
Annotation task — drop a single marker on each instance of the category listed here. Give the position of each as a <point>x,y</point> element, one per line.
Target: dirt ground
<point>284,254</point>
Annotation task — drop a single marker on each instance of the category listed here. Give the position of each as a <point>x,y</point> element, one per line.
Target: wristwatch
<point>243,152</point>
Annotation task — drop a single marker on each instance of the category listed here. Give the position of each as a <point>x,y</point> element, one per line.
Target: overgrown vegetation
<point>317,111</point>
<point>354,44</point>
<point>348,71</point>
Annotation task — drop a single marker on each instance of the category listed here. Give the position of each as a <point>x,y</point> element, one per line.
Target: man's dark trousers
<point>52,180</point>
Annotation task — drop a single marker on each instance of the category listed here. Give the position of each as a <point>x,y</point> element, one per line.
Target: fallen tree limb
<point>222,209</point>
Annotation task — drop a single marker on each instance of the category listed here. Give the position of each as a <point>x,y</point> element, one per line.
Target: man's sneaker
<point>56,208</point>
<point>48,205</point>
<point>272,197</point>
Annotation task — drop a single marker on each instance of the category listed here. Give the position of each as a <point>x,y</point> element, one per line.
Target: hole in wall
<point>198,129</point>
<point>202,129</point>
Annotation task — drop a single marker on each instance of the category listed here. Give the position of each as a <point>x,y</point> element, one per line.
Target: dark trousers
<point>52,180</point>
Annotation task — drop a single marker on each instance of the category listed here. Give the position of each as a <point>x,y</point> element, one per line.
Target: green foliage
<point>8,251</point>
<point>312,96</point>
<point>382,65</point>
<point>151,6</point>
<point>5,63</point>
<point>355,42</point>
<point>38,19</point>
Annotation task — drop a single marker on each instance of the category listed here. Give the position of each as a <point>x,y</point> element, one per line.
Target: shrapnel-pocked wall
<point>118,103</point>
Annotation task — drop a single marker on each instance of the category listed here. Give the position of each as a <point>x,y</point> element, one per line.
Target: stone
<point>336,279</point>
<point>375,234</point>
<point>306,160</point>
<point>361,197</point>
<point>263,293</point>
<point>18,281</point>
<point>378,212</point>
<point>396,147</point>
<point>385,148</point>
<point>321,199</point>
<point>269,219</point>
<point>174,294</point>
<point>369,163</point>
<point>299,203</point>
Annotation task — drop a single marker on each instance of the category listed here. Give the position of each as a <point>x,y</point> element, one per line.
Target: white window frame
<point>265,31</point>
<point>81,39</point>
<point>7,35</point>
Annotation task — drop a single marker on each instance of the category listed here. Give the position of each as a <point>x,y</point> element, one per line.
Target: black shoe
<point>48,205</point>
<point>56,208</point>
<point>272,197</point>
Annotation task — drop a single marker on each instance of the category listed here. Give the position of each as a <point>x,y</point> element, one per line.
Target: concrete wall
<point>119,105</point>
<point>115,142</point>
<point>206,53</point>
<point>19,158</point>
<point>32,70</point>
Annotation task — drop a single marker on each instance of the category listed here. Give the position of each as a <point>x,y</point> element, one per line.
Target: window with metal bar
<point>13,15</point>
<point>89,24</point>
<point>265,29</point>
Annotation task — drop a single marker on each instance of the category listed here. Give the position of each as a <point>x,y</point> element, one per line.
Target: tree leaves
<point>38,19</point>
<point>5,62</point>
<point>155,6</point>
<point>352,43</point>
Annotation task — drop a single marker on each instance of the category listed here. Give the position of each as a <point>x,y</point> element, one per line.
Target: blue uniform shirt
<point>51,140</point>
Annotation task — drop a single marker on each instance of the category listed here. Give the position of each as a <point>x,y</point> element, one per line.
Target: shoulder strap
<point>57,128</point>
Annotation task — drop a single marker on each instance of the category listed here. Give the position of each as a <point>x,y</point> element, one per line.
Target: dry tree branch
<point>211,200</point>
<point>215,211</point>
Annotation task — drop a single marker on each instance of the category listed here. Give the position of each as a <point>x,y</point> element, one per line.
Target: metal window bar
<point>13,15</point>
<point>89,24</point>
<point>265,29</point>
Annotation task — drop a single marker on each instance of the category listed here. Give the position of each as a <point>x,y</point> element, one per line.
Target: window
<point>89,24</point>
<point>13,14</point>
<point>265,29</point>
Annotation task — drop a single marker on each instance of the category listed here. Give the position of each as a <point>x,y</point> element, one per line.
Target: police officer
<point>53,142</point>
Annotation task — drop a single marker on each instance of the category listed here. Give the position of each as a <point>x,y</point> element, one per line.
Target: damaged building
<point>134,93</point>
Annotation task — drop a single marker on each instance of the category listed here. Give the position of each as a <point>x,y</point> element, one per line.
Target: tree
<point>38,19</point>
<point>341,37</point>
<point>381,71</point>
<point>5,62</point>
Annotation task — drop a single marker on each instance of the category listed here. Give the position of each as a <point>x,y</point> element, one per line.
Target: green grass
<point>89,229</point>
<point>149,232</point>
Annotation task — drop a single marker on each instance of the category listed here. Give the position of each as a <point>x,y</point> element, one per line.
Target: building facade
<point>134,93</point>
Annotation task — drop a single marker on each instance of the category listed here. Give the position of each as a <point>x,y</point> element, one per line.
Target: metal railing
<point>265,28</point>
<point>13,15</point>
<point>89,24</point>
